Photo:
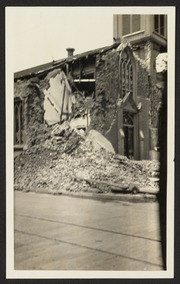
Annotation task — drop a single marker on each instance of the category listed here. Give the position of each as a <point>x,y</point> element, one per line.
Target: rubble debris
<point>104,185</point>
<point>67,161</point>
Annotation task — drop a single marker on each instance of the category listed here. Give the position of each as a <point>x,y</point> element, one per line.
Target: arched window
<point>126,74</point>
<point>128,119</point>
<point>127,94</point>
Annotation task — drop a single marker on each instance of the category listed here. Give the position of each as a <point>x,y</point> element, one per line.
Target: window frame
<point>157,25</point>
<point>131,24</point>
<point>126,74</point>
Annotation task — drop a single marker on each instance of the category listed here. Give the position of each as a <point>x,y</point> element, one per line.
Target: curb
<point>104,197</point>
<point>134,198</point>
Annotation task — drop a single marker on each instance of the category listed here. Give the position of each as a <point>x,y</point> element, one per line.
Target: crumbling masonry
<point>111,90</point>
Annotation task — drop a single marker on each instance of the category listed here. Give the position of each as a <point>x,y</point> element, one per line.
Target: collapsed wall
<point>53,98</point>
<point>84,168</point>
<point>60,157</point>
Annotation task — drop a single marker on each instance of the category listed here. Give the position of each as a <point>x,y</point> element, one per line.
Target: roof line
<point>40,69</point>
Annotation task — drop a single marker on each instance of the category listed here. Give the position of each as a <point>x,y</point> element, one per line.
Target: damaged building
<point>115,90</point>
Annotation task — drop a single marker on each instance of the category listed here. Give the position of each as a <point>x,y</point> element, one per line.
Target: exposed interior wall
<point>58,97</point>
<point>48,101</point>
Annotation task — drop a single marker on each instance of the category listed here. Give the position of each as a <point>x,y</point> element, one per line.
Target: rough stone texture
<point>143,90</point>
<point>157,91</point>
<point>107,89</point>
<point>149,91</point>
<point>104,118</point>
<point>143,97</point>
<point>156,104</point>
<point>112,134</point>
<point>142,53</point>
<point>151,54</point>
<point>49,171</point>
<point>33,112</point>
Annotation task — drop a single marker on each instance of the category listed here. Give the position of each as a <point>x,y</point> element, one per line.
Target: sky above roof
<point>38,35</point>
<point>41,35</point>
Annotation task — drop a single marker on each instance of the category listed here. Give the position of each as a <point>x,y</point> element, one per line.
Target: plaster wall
<point>58,98</point>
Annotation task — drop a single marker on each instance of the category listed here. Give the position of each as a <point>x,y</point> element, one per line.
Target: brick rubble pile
<point>66,161</point>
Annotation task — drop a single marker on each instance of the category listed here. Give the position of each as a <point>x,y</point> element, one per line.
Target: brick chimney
<point>70,51</point>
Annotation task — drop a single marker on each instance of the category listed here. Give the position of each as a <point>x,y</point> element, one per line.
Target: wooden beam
<point>84,80</point>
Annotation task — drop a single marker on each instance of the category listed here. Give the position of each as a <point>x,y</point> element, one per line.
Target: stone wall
<point>106,91</point>
<point>33,112</point>
<point>149,92</point>
<point>105,118</point>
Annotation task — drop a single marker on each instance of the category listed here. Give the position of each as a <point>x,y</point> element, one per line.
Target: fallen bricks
<point>67,161</point>
<point>76,172</point>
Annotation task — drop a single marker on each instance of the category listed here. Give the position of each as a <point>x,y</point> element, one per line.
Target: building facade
<point>115,90</point>
<point>147,35</point>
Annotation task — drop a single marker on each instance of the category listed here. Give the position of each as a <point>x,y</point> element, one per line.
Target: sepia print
<point>90,155</point>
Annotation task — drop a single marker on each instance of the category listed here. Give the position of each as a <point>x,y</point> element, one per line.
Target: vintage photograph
<point>90,130</point>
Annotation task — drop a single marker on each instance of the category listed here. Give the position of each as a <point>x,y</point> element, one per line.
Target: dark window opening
<point>128,128</point>
<point>156,23</point>
<point>83,68</point>
<point>160,24</point>
<point>88,88</point>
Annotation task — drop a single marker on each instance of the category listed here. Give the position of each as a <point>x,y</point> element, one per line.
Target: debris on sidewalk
<point>68,160</point>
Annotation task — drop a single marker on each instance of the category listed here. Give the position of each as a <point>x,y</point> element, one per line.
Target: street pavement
<point>68,233</point>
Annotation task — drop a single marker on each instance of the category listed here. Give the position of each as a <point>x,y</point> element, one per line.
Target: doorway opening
<point>128,128</point>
